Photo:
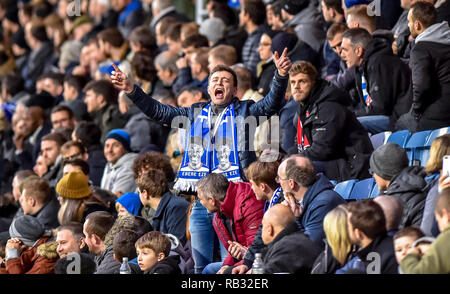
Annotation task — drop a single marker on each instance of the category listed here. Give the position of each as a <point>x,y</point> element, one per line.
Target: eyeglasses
<point>74,156</point>
<point>278,179</point>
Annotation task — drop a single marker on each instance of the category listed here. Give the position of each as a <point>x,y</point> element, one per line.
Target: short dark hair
<point>112,36</point>
<point>56,137</point>
<point>141,226</point>
<point>100,222</point>
<point>56,78</point>
<point>74,227</point>
<point>143,36</point>
<point>174,32</point>
<point>143,66</point>
<point>42,9</point>
<point>224,53</point>
<point>334,4</point>
<point>80,163</point>
<point>276,8</point>
<point>39,33</point>
<point>104,88</point>
<point>123,244</point>
<point>367,216</point>
<point>12,83</point>
<point>193,90</point>
<point>153,160</point>
<point>358,37</point>
<point>154,182</point>
<point>61,107</point>
<point>256,10</point>
<point>196,40</point>
<point>227,69</point>
<point>413,232</point>
<point>304,175</point>
<point>214,185</point>
<point>88,132</point>
<point>165,24</point>
<point>244,77</point>
<point>336,28</point>
<point>78,82</point>
<point>424,12</point>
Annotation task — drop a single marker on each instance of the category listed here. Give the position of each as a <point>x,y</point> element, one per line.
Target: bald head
<point>392,209</point>
<point>279,216</point>
<point>296,160</point>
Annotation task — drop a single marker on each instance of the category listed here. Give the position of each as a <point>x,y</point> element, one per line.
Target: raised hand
<point>121,81</point>
<point>283,63</point>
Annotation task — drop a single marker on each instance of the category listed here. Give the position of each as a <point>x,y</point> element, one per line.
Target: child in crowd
<point>153,254</point>
<point>128,203</point>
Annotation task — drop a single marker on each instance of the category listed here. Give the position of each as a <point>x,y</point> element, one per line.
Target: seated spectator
<point>162,9</point>
<point>118,174</point>
<point>214,29</point>
<point>367,230</point>
<point>435,259</point>
<point>171,211</point>
<point>95,228</point>
<point>20,50</point>
<point>52,83</point>
<point>161,32</point>
<point>439,148</point>
<point>306,20</point>
<point>166,68</point>
<point>62,116</point>
<point>327,132</point>
<point>65,265</point>
<point>338,247</point>
<point>128,203</point>
<point>273,15</point>
<point>403,241</point>
<point>28,251</point>
<point>309,196</point>
<point>39,201</point>
<point>189,29</point>
<point>233,203</point>
<point>73,150</point>
<point>144,71</point>
<point>430,61</point>
<point>288,249</point>
<point>142,39</point>
<point>266,67</point>
<point>373,61</point>
<point>40,168</point>
<point>389,165</point>
<point>393,212</point>
<point>89,134</point>
<point>50,148</point>
<point>153,254</point>
<point>198,76</point>
<point>101,101</point>
<point>70,239</point>
<point>77,198</point>
<point>173,39</point>
<point>123,246</point>
<point>73,91</point>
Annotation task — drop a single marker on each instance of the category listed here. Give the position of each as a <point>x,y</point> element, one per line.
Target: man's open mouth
<point>218,93</point>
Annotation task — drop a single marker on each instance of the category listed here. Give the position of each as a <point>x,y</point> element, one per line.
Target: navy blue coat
<point>268,106</point>
<point>319,199</point>
<point>171,216</point>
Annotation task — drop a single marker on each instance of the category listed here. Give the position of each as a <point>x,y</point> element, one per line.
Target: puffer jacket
<point>243,213</point>
<point>268,106</point>
<point>39,259</point>
<point>335,135</point>
<point>411,189</point>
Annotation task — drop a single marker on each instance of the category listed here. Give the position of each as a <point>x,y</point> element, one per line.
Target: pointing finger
<point>115,67</point>
<point>284,52</point>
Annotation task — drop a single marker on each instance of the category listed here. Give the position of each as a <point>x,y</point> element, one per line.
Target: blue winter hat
<point>350,3</point>
<point>131,202</point>
<point>121,136</point>
<point>9,108</point>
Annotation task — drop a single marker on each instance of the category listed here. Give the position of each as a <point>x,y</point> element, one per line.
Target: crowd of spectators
<point>128,131</point>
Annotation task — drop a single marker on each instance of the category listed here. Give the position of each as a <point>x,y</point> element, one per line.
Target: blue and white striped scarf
<point>210,150</point>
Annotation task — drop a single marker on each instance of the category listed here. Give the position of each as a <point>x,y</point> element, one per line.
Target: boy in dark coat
<point>153,251</point>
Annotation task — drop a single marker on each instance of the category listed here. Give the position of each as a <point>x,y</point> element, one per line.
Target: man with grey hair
<point>166,68</point>
<point>382,80</point>
<point>309,196</point>
<point>162,9</point>
<point>237,214</point>
<point>393,212</point>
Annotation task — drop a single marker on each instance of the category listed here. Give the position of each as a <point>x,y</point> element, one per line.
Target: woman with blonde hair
<point>439,148</point>
<point>338,248</point>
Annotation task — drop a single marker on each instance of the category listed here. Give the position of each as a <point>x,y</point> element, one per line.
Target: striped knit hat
<point>74,185</point>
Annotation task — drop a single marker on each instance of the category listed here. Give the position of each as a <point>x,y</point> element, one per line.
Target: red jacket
<point>245,213</point>
<point>39,259</point>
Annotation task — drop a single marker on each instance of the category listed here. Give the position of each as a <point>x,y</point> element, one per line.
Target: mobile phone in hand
<point>446,165</point>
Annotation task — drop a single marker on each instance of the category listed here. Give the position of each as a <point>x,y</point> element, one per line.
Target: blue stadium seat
<point>375,191</point>
<point>362,189</point>
<point>345,188</point>
<point>425,155</point>
<point>379,139</point>
<point>399,137</point>
<point>415,147</point>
